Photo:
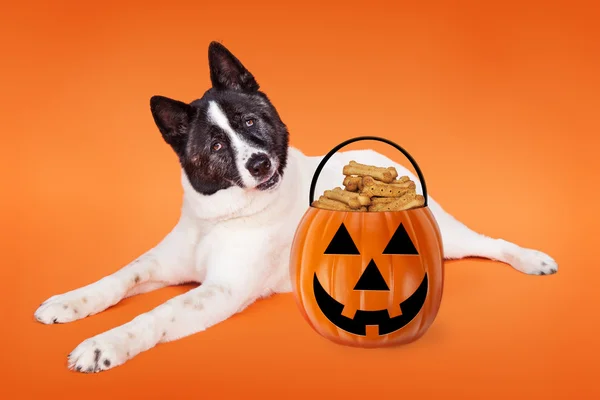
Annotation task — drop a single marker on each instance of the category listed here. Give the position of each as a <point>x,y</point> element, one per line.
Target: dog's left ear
<point>227,72</point>
<point>173,120</point>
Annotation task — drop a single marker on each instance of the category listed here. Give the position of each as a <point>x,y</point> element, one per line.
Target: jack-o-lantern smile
<point>370,280</point>
<point>358,325</point>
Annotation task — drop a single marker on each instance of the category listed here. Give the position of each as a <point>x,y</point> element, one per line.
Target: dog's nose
<point>258,165</point>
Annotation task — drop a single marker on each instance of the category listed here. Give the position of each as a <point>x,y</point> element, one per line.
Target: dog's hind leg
<point>459,242</point>
<point>169,263</point>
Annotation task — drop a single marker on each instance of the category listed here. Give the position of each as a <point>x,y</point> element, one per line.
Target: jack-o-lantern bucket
<point>368,279</point>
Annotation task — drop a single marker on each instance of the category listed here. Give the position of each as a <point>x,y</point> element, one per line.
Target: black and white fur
<point>245,191</point>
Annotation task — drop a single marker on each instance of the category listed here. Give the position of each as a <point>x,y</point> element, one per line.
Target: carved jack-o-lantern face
<point>368,279</point>
<point>371,280</point>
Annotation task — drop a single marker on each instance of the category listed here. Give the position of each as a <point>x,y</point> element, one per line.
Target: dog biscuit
<point>352,199</point>
<point>382,200</point>
<point>362,199</point>
<point>386,175</point>
<point>329,204</point>
<point>407,184</point>
<point>380,189</point>
<point>406,202</point>
<point>342,197</point>
<point>334,205</point>
<point>418,201</point>
<point>391,169</point>
<point>353,183</point>
<point>370,181</point>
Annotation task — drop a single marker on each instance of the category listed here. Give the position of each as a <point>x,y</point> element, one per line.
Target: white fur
<point>243,151</point>
<point>237,243</point>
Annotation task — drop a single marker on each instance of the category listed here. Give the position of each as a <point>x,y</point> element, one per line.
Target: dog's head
<point>231,137</point>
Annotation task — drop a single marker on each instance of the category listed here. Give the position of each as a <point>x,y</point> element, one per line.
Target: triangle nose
<point>371,279</point>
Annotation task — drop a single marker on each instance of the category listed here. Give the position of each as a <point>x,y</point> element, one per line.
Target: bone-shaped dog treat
<point>379,189</point>
<point>353,183</point>
<point>362,199</point>
<point>386,175</point>
<point>329,204</point>
<point>354,200</point>
<point>406,202</point>
<point>334,205</point>
<point>407,184</point>
<point>349,201</point>
<point>382,200</point>
<point>370,181</point>
<point>418,201</point>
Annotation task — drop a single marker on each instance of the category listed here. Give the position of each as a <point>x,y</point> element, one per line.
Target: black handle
<point>356,139</point>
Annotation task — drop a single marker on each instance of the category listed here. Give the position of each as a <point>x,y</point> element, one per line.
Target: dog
<point>245,192</point>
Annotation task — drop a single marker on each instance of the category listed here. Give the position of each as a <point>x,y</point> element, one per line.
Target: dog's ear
<point>173,120</point>
<point>227,72</point>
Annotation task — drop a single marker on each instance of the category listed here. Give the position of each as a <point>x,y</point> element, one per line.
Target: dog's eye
<point>216,146</point>
<point>250,122</point>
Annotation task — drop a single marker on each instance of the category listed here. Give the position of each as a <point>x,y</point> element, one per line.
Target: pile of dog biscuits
<point>370,188</point>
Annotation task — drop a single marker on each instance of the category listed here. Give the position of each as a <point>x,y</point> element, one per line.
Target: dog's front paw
<point>68,307</point>
<point>535,262</point>
<point>97,354</point>
<point>60,308</point>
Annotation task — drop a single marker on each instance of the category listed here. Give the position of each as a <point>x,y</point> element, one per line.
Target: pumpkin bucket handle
<point>356,139</point>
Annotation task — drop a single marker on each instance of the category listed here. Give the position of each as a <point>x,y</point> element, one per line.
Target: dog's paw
<point>97,354</point>
<point>535,262</point>
<point>66,307</point>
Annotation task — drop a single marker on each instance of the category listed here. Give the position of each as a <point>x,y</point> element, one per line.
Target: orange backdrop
<point>497,100</point>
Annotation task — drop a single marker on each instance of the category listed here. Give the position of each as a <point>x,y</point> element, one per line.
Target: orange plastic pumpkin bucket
<point>368,279</point>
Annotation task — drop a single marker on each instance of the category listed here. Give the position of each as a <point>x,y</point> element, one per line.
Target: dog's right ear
<point>173,120</point>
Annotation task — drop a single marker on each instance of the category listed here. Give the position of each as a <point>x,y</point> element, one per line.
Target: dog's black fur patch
<point>186,129</point>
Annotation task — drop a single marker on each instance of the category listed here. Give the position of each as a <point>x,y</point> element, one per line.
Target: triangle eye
<point>342,243</point>
<point>400,244</point>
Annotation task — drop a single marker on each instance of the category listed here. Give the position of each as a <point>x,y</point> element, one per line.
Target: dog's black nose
<point>258,165</point>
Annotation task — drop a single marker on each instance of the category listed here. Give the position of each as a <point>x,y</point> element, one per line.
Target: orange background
<point>498,101</point>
